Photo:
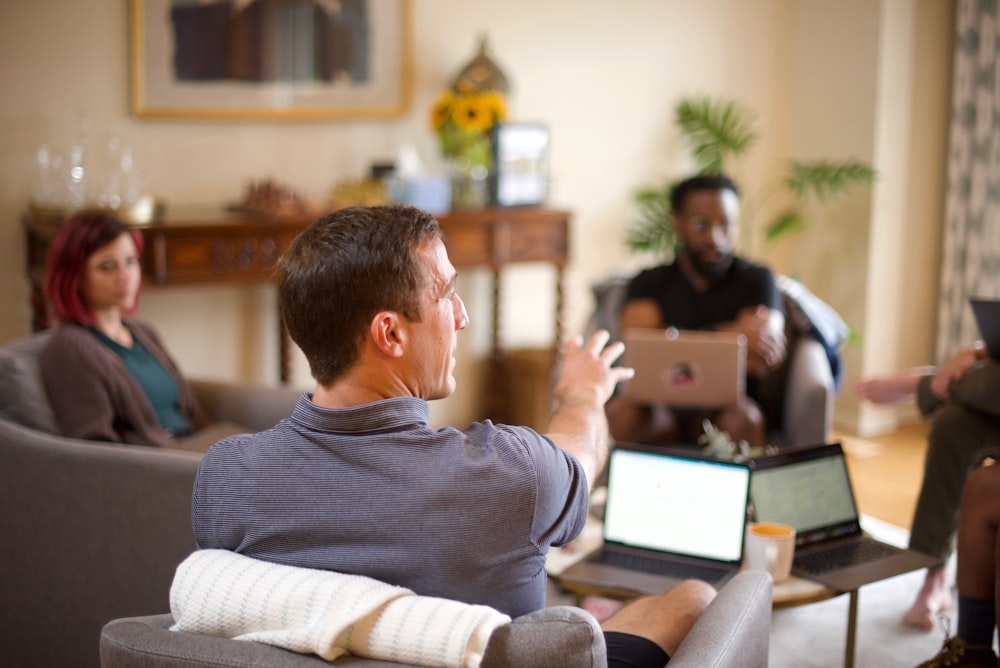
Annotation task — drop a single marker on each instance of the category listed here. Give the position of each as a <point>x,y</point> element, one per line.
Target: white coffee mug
<point>770,547</point>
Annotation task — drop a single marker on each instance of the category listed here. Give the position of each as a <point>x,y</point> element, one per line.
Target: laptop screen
<point>810,491</point>
<point>674,504</point>
<point>987,314</point>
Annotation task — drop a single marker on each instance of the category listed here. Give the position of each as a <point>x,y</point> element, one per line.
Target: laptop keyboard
<point>646,564</point>
<point>842,556</point>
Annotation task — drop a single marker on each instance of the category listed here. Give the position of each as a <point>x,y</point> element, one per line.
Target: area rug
<point>815,635</point>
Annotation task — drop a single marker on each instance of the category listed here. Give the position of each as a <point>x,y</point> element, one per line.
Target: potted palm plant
<point>716,132</point>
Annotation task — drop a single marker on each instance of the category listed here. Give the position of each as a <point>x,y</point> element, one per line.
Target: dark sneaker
<point>956,654</point>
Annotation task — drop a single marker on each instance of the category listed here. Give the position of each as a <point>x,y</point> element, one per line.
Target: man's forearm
<point>580,427</point>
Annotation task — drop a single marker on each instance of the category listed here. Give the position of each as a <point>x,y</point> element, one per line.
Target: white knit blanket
<point>221,593</point>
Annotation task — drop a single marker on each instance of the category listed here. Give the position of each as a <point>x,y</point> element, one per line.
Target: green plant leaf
<point>651,237</point>
<point>789,222</point>
<point>827,178</point>
<point>652,230</point>
<point>715,130</point>
<point>854,337</point>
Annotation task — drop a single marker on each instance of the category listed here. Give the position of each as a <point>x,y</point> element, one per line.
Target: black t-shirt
<point>744,285</point>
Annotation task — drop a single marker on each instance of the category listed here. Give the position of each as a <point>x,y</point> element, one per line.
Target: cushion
<point>22,395</point>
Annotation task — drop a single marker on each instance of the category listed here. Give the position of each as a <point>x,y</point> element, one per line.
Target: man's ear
<point>388,333</point>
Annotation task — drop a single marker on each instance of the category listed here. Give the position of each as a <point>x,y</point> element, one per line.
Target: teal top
<point>156,382</point>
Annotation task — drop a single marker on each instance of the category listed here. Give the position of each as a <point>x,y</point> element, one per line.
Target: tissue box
<point>430,193</point>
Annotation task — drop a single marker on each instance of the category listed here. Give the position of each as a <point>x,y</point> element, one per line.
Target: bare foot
<point>934,597</point>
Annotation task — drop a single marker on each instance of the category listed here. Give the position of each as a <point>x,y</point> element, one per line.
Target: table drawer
<point>530,241</point>
<point>193,258</point>
<point>495,240</point>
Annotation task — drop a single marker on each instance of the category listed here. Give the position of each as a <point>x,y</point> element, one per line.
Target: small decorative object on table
<point>270,198</point>
<point>359,192</point>
<point>521,164</point>
<point>77,178</point>
<point>719,443</point>
<point>463,117</point>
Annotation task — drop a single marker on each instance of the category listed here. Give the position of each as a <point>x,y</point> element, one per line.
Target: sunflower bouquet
<point>463,121</point>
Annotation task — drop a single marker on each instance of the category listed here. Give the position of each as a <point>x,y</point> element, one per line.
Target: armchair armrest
<point>808,394</point>
<point>557,636</point>
<point>560,635</point>
<point>254,406</point>
<point>734,630</point>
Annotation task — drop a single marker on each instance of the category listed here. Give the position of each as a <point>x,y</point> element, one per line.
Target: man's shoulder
<point>517,442</point>
<point>488,433</point>
<point>251,444</point>
<point>745,265</point>
<point>746,273</point>
<point>659,270</point>
<point>654,278</point>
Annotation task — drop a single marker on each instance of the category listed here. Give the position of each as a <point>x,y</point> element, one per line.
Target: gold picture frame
<point>270,59</point>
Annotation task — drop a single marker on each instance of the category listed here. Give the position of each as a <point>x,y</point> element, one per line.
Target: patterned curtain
<point>971,243</point>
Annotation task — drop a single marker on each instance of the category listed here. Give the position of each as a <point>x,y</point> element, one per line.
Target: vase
<point>470,189</point>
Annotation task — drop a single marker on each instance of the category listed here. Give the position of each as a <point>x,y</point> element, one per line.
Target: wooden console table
<point>216,247</point>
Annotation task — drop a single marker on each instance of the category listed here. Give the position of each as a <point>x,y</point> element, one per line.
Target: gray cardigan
<point>95,397</point>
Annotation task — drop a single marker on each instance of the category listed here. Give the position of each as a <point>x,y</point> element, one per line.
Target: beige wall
<point>875,256</point>
<point>825,78</point>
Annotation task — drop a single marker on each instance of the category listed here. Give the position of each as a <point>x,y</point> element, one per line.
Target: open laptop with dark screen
<point>810,489</point>
<point>987,314</point>
<point>668,517</point>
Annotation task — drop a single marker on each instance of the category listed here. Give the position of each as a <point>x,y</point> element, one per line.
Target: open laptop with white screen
<point>685,368</point>
<point>810,489</point>
<point>668,517</point>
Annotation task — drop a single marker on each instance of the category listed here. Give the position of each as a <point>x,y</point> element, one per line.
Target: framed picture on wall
<point>521,164</point>
<point>270,59</point>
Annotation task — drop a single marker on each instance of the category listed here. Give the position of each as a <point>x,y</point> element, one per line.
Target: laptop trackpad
<point>608,578</point>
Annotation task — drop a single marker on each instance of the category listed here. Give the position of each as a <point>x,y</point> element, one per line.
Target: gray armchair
<point>809,388</point>
<point>93,531</point>
<point>733,632</point>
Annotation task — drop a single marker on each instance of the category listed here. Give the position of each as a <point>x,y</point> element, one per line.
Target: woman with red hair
<point>109,377</point>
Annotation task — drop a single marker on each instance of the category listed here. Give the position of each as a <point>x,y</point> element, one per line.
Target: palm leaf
<point>827,178</point>
<point>715,130</point>
<point>651,231</point>
<point>789,222</point>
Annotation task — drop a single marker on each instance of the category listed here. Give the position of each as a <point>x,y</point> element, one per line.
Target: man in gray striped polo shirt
<point>356,481</point>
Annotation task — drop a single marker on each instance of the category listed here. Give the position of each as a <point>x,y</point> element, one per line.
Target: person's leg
<point>664,619</point>
<point>743,422</point>
<point>957,441</point>
<point>977,574</point>
<point>977,556</point>
<point>630,422</point>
